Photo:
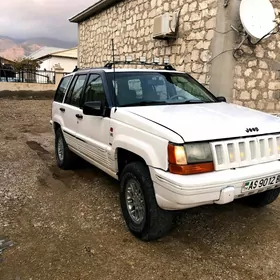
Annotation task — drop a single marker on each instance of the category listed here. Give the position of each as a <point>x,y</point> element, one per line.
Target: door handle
<point>62,110</point>
<point>79,116</point>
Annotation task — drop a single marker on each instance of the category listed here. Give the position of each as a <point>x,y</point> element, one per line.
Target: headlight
<point>191,158</point>
<point>198,152</point>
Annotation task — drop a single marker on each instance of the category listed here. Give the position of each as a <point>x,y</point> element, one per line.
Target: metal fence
<point>27,76</point>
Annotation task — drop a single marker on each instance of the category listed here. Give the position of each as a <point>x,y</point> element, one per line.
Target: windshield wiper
<point>193,101</point>
<point>187,102</point>
<point>145,103</point>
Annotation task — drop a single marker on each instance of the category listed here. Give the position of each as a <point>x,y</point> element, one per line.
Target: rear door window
<point>74,94</point>
<point>69,93</point>
<point>62,88</point>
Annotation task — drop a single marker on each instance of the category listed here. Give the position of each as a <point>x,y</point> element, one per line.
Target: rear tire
<point>144,218</point>
<point>64,157</point>
<point>261,199</point>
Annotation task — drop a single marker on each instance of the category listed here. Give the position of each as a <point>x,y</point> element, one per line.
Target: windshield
<point>157,88</point>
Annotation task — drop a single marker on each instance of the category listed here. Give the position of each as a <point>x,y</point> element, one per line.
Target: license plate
<point>261,183</point>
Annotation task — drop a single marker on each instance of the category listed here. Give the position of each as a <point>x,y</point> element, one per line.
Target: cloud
<point>40,18</point>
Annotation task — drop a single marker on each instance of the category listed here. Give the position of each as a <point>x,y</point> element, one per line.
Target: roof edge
<point>93,9</point>
<point>50,55</point>
<point>31,56</point>
<point>66,50</point>
<point>12,61</point>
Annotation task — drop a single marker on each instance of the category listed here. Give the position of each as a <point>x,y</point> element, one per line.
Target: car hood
<point>209,121</point>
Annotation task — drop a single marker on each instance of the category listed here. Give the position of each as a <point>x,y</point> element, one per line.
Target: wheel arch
<point>150,152</point>
<point>124,157</point>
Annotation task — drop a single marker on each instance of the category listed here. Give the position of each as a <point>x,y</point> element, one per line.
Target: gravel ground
<point>68,225</point>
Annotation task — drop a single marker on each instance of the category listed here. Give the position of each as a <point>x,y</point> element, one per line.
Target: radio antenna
<point>114,71</point>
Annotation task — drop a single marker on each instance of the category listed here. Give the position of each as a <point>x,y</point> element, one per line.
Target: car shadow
<point>220,220</point>
<point>205,229</point>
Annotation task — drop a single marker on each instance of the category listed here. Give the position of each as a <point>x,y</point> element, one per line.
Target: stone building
<point>203,46</point>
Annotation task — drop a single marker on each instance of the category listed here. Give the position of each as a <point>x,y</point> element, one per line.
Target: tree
<point>26,64</point>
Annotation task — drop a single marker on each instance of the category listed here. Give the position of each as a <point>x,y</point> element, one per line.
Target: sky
<point>40,18</point>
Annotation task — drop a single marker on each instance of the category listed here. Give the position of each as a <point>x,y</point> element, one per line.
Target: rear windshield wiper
<point>145,103</point>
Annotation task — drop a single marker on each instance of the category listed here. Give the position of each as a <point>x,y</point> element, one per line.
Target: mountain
<point>16,48</point>
<point>49,42</point>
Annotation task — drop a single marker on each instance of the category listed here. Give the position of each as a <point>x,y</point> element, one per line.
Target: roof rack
<point>165,65</point>
<point>110,64</point>
<point>87,68</point>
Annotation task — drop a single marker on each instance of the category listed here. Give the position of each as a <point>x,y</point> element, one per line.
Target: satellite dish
<point>257,17</point>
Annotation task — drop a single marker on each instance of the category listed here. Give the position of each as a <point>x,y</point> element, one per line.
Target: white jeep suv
<point>171,143</point>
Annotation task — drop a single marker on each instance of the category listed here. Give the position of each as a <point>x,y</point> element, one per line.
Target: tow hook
<point>226,195</point>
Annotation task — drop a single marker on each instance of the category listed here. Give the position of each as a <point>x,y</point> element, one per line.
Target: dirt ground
<point>68,225</point>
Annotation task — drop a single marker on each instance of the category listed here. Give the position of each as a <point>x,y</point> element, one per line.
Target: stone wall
<point>130,22</point>
<point>256,79</point>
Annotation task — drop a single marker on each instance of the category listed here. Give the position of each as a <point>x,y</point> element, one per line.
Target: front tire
<point>261,199</point>
<point>144,218</point>
<point>64,157</point>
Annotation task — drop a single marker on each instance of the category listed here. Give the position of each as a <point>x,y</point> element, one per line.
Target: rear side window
<point>61,90</point>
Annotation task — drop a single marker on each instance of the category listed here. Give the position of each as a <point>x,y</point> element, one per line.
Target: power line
<point>194,71</point>
<point>223,32</point>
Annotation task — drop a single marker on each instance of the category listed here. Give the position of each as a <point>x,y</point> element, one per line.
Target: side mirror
<point>221,99</point>
<point>93,108</point>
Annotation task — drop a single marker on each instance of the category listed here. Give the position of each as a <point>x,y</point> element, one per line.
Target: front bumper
<point>175,192</point>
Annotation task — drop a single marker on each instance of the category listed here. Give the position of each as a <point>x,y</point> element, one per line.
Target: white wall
<point>27,87</point>
<point>68,64</point>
